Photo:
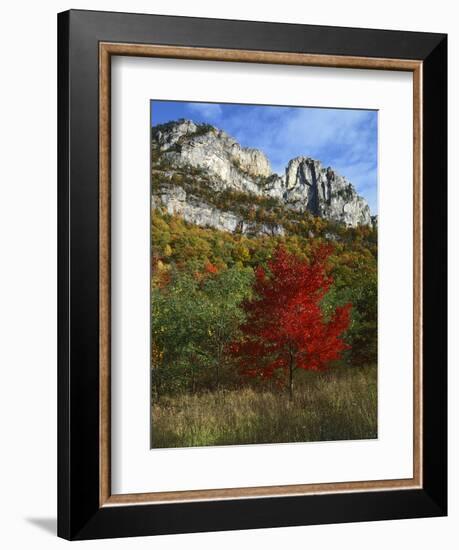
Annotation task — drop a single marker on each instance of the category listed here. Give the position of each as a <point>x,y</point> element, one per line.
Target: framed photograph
<point>252,275</point>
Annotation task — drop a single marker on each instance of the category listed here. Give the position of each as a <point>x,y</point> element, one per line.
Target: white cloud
<point>207,110</point>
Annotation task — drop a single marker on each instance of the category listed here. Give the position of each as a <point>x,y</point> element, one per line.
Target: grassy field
<point>336,405</point>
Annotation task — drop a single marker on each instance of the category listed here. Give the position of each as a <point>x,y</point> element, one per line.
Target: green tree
<point>224,294</point>
<point>194,319</point>
<point>355,281</point>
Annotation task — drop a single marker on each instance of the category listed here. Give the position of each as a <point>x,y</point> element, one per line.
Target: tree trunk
<point>217,367</point>
<point>290,377</point>
<point>193,381</point>
<point>156,383</point>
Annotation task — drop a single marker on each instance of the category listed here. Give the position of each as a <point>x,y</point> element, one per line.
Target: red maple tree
<point>285,327</point>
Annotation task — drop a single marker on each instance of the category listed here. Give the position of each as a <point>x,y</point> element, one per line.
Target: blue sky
<point>345,139</point>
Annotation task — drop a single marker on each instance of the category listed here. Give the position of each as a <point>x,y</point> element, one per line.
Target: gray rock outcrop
<point>324,193</point>
<point>305,187</point>
<point>176,200</point>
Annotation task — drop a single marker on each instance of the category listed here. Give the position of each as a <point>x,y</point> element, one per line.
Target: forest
<point>262,338</point>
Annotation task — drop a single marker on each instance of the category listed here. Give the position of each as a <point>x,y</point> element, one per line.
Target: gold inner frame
<point>106,51</point>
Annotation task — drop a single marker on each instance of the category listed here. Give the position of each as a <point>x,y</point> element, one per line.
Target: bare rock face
<point>251,161</point>
<point>208,148</point>
<point>223,164</point>
<point>324,193</point>
<point>192,210</point>
<point>177,201</point>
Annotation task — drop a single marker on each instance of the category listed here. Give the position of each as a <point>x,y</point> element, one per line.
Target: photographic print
<point>264,246</point>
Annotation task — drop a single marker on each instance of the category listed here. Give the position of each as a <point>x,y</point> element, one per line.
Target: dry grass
<point>337,405</point>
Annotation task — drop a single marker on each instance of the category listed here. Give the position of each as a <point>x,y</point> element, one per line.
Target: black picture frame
<point>80,515</point>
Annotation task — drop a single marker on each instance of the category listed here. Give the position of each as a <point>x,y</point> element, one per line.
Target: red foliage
<point>208,271</point>
<point>286,327</point>
<point>211,268</point>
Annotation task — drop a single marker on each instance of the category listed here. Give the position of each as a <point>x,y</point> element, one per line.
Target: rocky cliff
<point>205,175</point>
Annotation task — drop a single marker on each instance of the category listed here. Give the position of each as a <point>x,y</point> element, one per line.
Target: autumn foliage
<point>286,328</point>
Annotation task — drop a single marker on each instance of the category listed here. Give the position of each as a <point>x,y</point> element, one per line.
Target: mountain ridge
<point>193,164</point>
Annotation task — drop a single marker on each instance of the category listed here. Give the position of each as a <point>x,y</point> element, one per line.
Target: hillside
<point>263,291</point>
